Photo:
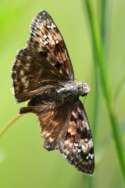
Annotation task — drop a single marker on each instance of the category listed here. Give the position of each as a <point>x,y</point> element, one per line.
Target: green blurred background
<point>23,161</point>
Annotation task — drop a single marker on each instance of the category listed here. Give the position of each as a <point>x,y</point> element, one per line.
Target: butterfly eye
<point>83,88</point>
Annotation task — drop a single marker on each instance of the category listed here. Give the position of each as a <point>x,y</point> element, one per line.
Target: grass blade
<point>99,53</point>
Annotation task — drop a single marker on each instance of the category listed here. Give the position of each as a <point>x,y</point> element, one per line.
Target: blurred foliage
<point>100,64</point>
<point>23,162</point>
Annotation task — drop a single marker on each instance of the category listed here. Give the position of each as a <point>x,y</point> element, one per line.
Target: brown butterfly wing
<point>66,128</point>
<point>51,115</point>
<point>52,120</point>
<point>43,59</point>
<point>30,71</point>
<point>46,35</point>
<point>75,141</point>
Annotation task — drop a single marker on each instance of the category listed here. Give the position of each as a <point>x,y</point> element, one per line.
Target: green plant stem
<point>97,96</point>
<point>103,21</point>
<point>102,9</point>
<point>96,40</point>
<point>9,124</point>
<point>103,30</point>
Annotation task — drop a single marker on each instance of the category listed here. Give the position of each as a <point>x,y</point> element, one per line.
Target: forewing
<point>75,140</point>
<point>46,36</point>
<point>30,72</point>
<point>45,58</point>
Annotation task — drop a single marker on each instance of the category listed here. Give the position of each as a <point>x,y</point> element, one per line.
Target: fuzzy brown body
<point>43,75</point>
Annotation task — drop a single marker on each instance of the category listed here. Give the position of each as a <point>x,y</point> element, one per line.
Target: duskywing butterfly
<point>43,75</point>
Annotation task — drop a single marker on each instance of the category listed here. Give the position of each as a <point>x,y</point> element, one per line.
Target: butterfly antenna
<point>9,123</point>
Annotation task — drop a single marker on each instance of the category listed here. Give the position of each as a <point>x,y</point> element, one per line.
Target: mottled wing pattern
<point>30,71</point>
<point>66,128</point>
<point>45,35</point>
<point>75,141</point>
<point>52,120</point>
<point>44,58</point>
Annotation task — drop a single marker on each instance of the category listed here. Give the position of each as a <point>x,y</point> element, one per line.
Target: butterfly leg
<point>24,110</point>
<point>29,109</point>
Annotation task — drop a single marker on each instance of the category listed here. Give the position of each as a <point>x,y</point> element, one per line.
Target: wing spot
<point>68,143</point>
<point>18,63</point>
<point>45,42</point>
<point>90,156</point>
<point>21,72</point>
<point>24,79</point>
<point>46,134</point>
<point>45,37</point>
<point>85,124</point>
<point>90,143</point>
<point>85,146</point>
<point>28,57</point>
<point>57,41</point>
<point>74,115</point>
<point>61,72</point>
<point>72,129</point>
<point>26,84</point>
<point>51,139</point>
<point>27,66</point>
<point>79,110</point>
<point>86,140</point>
<point>76,144</point>
<point>51,26</point>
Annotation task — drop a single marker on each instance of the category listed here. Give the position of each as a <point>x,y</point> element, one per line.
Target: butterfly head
<point>83,88</point>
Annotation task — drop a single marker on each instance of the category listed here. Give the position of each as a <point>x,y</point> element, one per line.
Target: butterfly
<point>43,75</point>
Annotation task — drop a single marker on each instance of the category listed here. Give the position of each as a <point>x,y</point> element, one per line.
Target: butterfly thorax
<point>73,89</point>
